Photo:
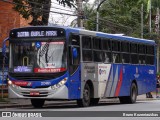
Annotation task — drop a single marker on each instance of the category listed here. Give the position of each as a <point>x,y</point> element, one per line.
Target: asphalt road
<point>70,111</point>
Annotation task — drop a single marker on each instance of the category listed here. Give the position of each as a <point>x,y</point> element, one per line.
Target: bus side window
<point>87,55</point>
<point>142,52</point>
<point>75,40</point>
<point>116,58</point>
<point>97,53</point>
<point>87,48</point>
<point>125,52</point>
<point>116,51</point>
<point>150,54</point>
<point>134,55</point>
<point>106,44</point>
<point>106,47</point>
<point>75,61</point>
<point>86,42</point>
<point>98,56</point>
<point>74,44</point>
<point>107,57</point>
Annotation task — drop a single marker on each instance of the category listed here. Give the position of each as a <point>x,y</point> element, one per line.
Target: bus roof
<point>111,36</point>
<point>97,34</point>
<point>114,36</point>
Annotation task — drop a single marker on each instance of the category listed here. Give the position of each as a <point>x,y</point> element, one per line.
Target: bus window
<point>106,44</point>
<point>74,61</point>
<point>150,60</point>
<point>141,49</point>
<point>75,40</point>
<point>86,42</point>
<point>125,58</point>
<point>107,57</point>
<point>134,58</point>
<point>133,48</point>
<point>87,55</point>
<point>115,46</point>
<point>97,43</point>
<point>150,50</point>
<point>116,58</point>
<point>98,56</point>
<point>77,60</point>
<point>125,47</point>
<point>142,59</point>
<point>149,55</point>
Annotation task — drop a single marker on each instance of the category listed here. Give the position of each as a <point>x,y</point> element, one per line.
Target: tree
<point>89,13</point>
<point>123,16</point>
<point>38,10</point>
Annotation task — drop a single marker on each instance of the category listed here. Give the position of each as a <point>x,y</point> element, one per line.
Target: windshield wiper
<point>44,50</point>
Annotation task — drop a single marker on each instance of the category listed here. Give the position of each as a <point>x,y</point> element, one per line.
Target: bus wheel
<point>37,103</point>
<point>133,95</point>
<point>85,101</point>
<point>94,101</point>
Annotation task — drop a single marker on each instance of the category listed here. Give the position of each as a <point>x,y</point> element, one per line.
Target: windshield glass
<point>38,57</point>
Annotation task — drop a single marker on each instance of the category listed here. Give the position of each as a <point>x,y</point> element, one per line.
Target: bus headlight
<point>9,82</point>
<point>60,84</point>
<point>12,84</point>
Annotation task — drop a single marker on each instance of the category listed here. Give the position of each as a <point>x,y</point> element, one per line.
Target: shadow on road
<point>73,105</point>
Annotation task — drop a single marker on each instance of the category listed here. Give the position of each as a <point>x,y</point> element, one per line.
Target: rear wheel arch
<point>132,95</point>
<point>86,100</point>
<point>90,83</point>
<point>93,101</point>
<point>135,82</point>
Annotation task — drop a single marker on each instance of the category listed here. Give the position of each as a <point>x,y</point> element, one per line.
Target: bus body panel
<point>89,73</point>
<point>145,77</point>
<point>118,79</point>
<point>74,84</point>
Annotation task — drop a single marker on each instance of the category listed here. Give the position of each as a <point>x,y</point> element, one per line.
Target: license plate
<point>34,93</point>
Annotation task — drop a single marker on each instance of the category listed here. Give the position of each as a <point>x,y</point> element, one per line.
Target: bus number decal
<point>45,83</point>
<point>151,72</point>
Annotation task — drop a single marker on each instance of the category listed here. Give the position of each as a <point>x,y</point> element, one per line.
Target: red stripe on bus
<point>119,83</point>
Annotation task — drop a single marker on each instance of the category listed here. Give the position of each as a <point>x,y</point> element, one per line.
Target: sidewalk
<point>26,102</point>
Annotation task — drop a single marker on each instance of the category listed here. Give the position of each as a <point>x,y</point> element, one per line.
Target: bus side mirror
<point>74,53</point>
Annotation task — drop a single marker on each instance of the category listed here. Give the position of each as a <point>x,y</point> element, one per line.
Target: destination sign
<point>49,33</point>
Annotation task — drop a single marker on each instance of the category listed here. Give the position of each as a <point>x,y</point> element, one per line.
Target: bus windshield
<point>38,57</point>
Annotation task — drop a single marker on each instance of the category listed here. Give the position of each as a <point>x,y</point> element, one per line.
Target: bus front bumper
<point>38,93</point>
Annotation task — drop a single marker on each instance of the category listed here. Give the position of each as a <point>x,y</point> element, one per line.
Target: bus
<point>64,63</point>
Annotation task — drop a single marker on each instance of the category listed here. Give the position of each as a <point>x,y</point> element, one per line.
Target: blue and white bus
<point>63,63</point>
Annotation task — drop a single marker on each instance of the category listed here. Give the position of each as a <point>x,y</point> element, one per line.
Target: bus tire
<point>94,101</point>
<point>85,101</point>
<point>133,95</point>
<point>37,103</point>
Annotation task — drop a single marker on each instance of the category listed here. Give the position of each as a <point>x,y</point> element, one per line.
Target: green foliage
<point>124,16</point>
<point>38,10</point>
<point>66,2</point>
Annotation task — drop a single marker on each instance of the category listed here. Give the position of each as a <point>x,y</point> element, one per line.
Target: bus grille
<point>35,87</point>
